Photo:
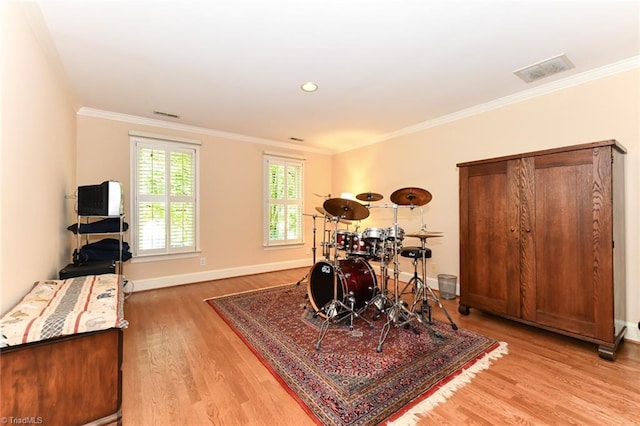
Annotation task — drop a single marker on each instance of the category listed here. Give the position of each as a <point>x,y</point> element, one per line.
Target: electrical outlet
<point>203,261</point>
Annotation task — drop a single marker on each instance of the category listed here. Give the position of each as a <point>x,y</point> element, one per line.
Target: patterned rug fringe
<point>414,414</point>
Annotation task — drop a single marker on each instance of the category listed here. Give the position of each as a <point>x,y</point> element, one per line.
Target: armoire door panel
<point>565,240</point>
<point>603,237</point>
<point>489,210</point>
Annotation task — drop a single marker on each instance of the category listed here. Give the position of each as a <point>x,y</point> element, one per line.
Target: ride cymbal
<point>346,209</point>
<point>411,197</point>
<point>369,196</point>
<point>323,212</point>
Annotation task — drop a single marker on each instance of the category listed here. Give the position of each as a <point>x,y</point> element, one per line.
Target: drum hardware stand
<point>419,294</point>
<point>313,248</point>
<point>326,246</point>
<point>380,300</point>
<point>427,291</point>
<point>398,314</point>
<point>335,308</point>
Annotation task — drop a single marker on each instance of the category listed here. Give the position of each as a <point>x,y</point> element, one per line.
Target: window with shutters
<point>283,194</point>
<point>164,202</point>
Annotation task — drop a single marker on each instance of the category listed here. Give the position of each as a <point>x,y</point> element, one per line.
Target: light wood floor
<point>184,366</point>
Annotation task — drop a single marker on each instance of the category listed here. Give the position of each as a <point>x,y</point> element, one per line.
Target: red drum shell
<point>354,275</point>
<point>358,246</point>
<point>343,239</point>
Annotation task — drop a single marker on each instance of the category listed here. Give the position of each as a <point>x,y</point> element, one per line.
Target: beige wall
<point>38,159</point>
<point>231,192</point>
<point>607,108</point>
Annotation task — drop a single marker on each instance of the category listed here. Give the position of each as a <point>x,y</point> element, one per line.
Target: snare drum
<point>391,234</point>
<point>374,235</point>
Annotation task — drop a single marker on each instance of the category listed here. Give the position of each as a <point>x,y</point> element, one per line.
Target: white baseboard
<point>174,280</point>
<point>633,333</point>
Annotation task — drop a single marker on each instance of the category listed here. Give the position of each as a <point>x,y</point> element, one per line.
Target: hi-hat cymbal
<point>346,209</point>
<point>323,212</point>
<point>422,234</point>
<point>369,196</point>
<point>411,197</point>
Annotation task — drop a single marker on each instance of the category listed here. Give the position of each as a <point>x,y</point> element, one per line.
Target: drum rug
<point>346,381</point>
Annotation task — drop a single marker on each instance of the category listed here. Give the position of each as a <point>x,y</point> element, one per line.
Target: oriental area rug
<point>347,381</point>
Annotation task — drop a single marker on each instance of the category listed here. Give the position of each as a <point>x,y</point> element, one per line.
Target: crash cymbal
<point>323,212</point>
<point>369,196</point>
<point>346,209</point>
<point>422,234</point>
<point>411,197</point>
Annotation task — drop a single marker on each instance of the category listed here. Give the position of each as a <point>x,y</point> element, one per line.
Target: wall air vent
<point>166,114</point>
<point>544,68</point>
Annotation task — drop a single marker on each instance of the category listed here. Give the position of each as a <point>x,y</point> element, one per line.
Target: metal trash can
<point>447,286</point>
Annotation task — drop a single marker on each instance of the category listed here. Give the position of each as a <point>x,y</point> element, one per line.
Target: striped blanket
<point>56,308</point>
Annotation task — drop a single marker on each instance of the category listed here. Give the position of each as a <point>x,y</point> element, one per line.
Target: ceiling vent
<point>544,68</point>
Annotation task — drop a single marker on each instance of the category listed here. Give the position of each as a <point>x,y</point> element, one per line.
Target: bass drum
<point>354,275</point>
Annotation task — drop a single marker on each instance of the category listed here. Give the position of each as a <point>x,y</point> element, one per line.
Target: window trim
<point>173,143</point>
<point>287,159</point>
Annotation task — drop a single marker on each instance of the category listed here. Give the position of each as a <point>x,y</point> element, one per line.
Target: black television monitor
<point>105,199</point>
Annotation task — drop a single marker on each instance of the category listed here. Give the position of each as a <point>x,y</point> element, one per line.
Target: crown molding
<point>585,77</point>
<point>134,119</point>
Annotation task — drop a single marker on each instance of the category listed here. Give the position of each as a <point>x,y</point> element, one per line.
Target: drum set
<point>343,284</point>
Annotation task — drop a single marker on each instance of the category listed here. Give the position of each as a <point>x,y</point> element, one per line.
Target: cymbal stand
<point>398,314</point>
<point>313,248</point>
<point>335,309</point>
<point>326,246</point>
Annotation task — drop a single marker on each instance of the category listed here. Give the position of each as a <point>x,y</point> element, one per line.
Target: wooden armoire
<point>542,240</point>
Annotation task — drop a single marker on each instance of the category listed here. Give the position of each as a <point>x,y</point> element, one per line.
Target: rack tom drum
<point>343,239</point>
<point>360,247</point>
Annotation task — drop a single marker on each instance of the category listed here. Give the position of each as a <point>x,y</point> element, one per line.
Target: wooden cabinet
<point>542,240</point>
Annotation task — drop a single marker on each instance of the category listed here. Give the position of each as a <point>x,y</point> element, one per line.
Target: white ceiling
<point>236,66</point>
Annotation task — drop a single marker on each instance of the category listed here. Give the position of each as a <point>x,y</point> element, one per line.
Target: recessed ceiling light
<point>309,86</point>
